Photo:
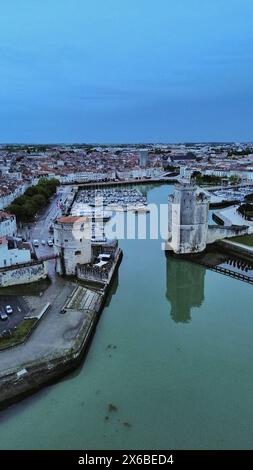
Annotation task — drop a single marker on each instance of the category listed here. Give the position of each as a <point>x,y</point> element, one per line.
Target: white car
<point>43,242</point>
<point>3,316</point>
<point>8,309</point>
<point>50,242</point>
<point>36,243</point>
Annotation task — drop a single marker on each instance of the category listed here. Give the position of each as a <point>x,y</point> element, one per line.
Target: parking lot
<point>19,308</point>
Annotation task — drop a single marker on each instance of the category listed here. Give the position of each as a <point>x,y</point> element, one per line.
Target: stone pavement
<point>50,337</point>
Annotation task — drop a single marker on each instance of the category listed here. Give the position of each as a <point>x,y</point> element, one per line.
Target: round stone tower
<point>72,243</point>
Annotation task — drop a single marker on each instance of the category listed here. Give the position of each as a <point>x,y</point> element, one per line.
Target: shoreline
<point>41,373</point>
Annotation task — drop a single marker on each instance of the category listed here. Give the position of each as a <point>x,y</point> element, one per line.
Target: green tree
<point>233,179</point>
<point>21,200</point>
<point>30,210</point>
<point>34,199</point>
<point>38,201</point>
<point>31,191</point>
<point>17,210</point>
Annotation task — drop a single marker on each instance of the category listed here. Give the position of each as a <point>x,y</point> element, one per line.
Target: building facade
<point>12,256</point>
<point>8,225</point>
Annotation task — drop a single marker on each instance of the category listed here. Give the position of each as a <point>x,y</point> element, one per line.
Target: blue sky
<point>126,70</point>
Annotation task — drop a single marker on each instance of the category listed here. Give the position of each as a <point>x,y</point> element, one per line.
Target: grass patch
<point>244,240</point>
<point>18,335</point>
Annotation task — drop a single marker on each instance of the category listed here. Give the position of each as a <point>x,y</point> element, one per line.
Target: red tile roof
<point>71,219</point>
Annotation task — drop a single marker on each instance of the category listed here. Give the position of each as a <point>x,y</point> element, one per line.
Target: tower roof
<point>71,219</point>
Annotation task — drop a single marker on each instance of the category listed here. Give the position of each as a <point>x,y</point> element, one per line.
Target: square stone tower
<point>188,219</point>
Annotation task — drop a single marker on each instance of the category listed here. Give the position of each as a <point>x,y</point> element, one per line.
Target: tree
<point>196,173</point>
<point>31,191</point>
<point>39,201</point>
<point>34,199</point>
<point>30,210</point>
<point>21,200</point>
<point>17,210</point>
<point>233,179</point>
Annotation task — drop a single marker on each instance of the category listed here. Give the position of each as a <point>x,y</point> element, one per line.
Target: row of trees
<point>212,179</point>
<point>239,153</point>
<point>33,200</point>
<point>206,179</point>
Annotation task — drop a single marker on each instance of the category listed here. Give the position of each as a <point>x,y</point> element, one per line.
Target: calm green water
<point>181,374</point>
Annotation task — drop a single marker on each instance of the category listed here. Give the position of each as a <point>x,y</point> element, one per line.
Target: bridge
<point>225,271</point>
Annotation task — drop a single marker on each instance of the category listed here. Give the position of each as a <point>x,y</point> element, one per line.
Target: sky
<point>114,71</point>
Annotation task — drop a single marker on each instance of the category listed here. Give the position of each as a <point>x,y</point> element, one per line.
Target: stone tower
<point>72,243</point>
<point>188,219</point>
<point>143,157</point>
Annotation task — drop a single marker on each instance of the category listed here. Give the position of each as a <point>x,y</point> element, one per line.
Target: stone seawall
<point>41,373</point>
<point>24,274</point>
<point>216,233</point>
<point>96,275</point>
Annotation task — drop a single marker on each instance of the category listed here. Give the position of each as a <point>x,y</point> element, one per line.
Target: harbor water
<point>169,367</point>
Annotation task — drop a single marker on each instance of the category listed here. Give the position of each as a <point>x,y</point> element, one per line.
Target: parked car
<point>3,316</point>
<point>6,334</point>
<point>8,309</point>
<point>43,242</point>
<point>50,242</point>
<point>36,243</point>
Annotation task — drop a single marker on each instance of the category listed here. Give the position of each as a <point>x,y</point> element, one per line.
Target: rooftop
<point>5,215</point>
<point>71,219</point>
<point>3,241</point>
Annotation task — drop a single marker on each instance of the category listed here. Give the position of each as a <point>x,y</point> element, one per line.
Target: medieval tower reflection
<point>185,288</point>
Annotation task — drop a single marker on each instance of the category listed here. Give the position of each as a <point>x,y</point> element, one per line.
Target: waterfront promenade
<point>55,347</point>
<point>50,337</point>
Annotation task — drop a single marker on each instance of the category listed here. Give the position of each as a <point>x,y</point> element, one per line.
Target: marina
<point>237,194</point>
<point>100,202</point>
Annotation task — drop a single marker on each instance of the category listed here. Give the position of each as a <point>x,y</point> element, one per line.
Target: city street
<point>39,230</point>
